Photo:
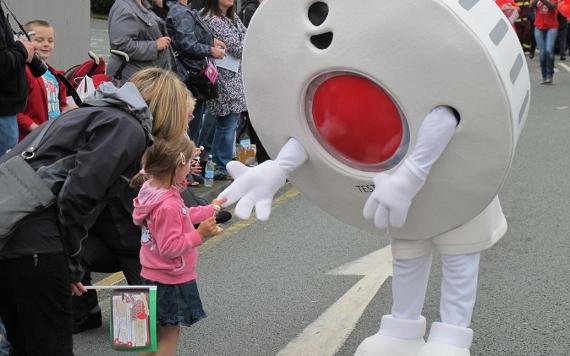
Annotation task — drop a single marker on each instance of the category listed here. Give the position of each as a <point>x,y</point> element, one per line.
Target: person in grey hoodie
<point>87,158</point>
<point>140,33</point>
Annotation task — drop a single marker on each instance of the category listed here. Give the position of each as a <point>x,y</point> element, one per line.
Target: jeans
<point>224,140</point>
<point>545,42</point>
<point>8,133</point>
<point>562,34</point>
<point>197,123</point>
<point>4,345</point>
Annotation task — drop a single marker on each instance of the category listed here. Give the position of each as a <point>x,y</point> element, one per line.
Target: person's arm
<point>257,186</point>
<point>201,213</point>
<point>182,29</point>
<point>25,122</point>
<point>394,190</point>
<point>169,233</point>
<point>227,34</point>
<point>124,29</point>
<point>110,148</point>
<point>12,57</point>
<point>550,4</point>
<point>533,3</point>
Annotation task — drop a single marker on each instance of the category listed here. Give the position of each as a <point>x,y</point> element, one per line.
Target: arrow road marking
<point>564,66</point>
<point>326,335</point>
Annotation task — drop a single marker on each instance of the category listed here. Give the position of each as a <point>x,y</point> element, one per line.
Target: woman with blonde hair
<point>86,158</point>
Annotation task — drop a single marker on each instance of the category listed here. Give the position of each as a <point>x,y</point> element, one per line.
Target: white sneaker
<point>381,345</point>
<point>441,349</point>
<point>397,337</point>
<point>448,340</point>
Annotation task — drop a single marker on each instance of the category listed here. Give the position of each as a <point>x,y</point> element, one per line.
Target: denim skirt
<point>177,304</point>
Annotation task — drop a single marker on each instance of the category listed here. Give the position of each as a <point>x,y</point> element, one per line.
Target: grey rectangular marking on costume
<point>499,32</point>
<point>468,4</point>
<point>516,69</point>
<point>523,107</point>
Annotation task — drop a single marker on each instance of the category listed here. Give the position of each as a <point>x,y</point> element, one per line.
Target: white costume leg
<point>452,337</point>
<point>409,284</point>
<point>401,334</point>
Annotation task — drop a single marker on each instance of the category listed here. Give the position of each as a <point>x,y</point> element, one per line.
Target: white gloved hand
<point>389,203</point>
<point>257,186</point>
<point>392,196</point>
<point>253,186</point>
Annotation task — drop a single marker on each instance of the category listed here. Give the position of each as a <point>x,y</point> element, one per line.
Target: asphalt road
<point>263,283</point>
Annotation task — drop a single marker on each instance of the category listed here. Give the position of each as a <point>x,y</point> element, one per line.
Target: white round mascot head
<point>353,79</point>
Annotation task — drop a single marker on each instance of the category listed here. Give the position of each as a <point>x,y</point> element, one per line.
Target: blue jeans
<point>224,140</point>
<point>545,43</point>
<point>197,122</point>
<point>8,133</point>
<point>4,346</point>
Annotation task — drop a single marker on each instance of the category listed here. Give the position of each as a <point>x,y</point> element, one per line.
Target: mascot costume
<point>397,117</point>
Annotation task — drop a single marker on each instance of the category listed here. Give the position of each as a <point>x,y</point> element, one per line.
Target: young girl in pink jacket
<point>169,250</point>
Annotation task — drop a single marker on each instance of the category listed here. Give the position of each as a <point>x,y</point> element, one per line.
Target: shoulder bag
<point>22,191</point>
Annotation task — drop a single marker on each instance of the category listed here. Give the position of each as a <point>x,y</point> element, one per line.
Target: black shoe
<point>222,176</point>
<point>198,178</point>
<point>562,57</point>
<point>223,216</point>
<point>92,320</point>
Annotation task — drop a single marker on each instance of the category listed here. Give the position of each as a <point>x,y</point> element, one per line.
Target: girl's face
<point>43,41</point>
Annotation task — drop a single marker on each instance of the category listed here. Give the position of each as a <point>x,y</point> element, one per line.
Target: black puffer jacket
<point>14,88</point>
<point>102,147</point>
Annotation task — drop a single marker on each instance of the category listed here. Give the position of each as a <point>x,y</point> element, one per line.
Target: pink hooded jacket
<point>169,240</point>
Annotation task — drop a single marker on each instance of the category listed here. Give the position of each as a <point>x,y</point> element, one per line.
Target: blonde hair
<point>161,159</point>
<point>168,99</point>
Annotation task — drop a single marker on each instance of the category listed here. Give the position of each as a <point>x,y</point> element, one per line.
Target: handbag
<point>203,84</point>
<point>22,191</point>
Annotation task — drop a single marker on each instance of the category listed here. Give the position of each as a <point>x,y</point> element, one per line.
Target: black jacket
<point>247,11</point>
<point>13,87</point>
<point>191,37</point>
<point>102,147</point>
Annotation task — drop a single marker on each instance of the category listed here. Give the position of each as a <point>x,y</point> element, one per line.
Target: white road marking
<point>565,66</point>
<point>326,335</point>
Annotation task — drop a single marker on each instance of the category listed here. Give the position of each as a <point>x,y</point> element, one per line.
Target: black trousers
<point>35,305</point>
<point>112,246</point>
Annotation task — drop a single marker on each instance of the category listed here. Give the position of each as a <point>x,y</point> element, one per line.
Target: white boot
<point>448,340</point>
<point>397,337</point>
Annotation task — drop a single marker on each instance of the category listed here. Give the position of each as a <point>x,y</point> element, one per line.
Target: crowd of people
<point>540,25</point>
<point>147,126</point>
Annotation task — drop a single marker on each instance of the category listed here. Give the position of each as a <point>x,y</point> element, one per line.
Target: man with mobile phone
<point>14,54</point>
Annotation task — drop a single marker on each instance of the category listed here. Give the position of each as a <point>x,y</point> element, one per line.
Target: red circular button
<point>357,119</point>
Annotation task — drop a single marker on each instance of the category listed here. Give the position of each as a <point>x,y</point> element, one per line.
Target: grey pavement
<point>100,37</point>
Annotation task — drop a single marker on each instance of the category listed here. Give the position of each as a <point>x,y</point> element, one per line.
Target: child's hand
<point>208,227</point>
<point>219,201</point>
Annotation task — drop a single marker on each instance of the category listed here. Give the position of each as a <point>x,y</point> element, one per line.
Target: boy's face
<point>43,41</point>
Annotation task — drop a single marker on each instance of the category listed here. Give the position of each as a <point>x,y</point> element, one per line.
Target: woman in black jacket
<point>194,43</point>
<point>87,158</point>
